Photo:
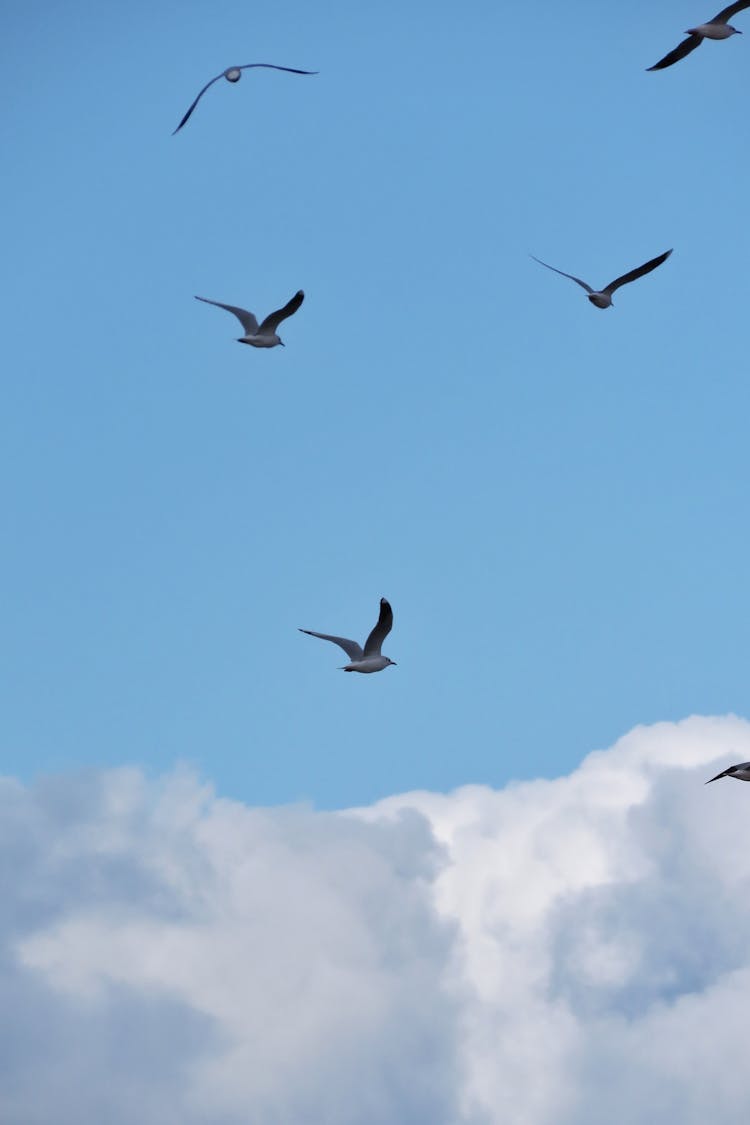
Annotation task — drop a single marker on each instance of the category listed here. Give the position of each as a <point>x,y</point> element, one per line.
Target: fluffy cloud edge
<point>409,961</point>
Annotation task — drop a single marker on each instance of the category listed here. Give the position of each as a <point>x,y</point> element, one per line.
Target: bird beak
<point>282,343</point>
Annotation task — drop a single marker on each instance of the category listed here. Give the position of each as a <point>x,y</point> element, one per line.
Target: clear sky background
<point>553,498</point>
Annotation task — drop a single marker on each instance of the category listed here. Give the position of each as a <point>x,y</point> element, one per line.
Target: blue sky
<point>553,498</point>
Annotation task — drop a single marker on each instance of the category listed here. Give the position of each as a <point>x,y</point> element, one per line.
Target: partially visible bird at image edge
<point>741,772</point>
<point>716,28</point>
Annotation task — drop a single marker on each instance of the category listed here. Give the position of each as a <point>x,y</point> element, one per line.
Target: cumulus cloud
<point>556,952</point>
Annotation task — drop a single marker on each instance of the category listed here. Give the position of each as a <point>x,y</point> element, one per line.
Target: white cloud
<point>556,952</point>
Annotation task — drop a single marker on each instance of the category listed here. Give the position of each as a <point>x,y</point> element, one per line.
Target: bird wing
<point>685,47</point>
<point>639,272</point>
<point>570,275</point>
<point>246,319</point>
<point>273,66</point>
<point>351,648</point>
<point>726,13</point>
<point>200,95</point>
<point>728,772</point>
<point>375,640</point>
<point>274,319</point>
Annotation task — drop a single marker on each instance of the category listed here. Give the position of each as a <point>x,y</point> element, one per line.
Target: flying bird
<point>263,335</point>
<point>717,28</point>
<point>602,298</point>
<point>368,659</point>
<point>233,74</point>
<point>741,772</point>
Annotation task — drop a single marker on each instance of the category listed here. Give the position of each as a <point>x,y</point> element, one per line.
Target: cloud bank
<point>561,952</point>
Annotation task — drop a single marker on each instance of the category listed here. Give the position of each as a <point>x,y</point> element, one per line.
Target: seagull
<point>263,336</point>
<point>741,772</point>
<point>602,298</point>
<point>717,28</point>
<point>368,659</point>
<point>233,74</point>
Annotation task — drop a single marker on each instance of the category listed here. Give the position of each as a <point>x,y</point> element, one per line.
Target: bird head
<point>393,662</point>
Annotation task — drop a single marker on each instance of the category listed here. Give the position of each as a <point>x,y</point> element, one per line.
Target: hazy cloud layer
<point>555,953</point>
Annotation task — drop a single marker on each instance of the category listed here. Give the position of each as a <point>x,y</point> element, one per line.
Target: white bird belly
<point>369,664</point>
<point>713,30</point>
<point>261,341</point>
